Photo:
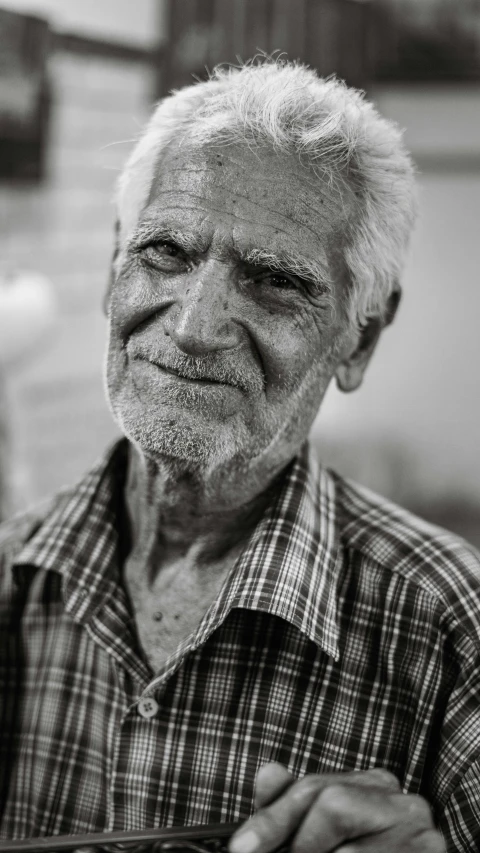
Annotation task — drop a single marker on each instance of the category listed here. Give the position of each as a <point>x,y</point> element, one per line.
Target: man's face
<point>217,356</point>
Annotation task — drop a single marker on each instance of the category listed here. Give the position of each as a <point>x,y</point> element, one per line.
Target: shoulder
<point>428,557</point>
<point>64,513</point>
<point>18,530</point>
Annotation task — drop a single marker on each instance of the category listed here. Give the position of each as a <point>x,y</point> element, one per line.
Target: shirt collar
<point>288,567</point>
<point>79,538</point>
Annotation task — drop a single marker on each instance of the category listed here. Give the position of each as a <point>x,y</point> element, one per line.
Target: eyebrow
<point>282,260</point>
<point>152,232</point>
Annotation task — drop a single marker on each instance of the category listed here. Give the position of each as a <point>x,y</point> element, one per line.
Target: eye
<point>281,281</point>
<point>166,248</point>
<point>164,255</point>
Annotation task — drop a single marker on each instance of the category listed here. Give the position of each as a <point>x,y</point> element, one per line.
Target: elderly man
<point>211,627</point>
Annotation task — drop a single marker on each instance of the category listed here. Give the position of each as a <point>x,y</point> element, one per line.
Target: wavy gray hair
<point>330,125</point>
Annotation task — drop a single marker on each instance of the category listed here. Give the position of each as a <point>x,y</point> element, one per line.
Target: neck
<point>175,515</point>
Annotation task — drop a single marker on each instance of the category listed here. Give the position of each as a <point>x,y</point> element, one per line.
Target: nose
<point>201,318</point>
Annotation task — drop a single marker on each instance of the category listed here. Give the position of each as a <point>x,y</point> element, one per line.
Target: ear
<point>111,275</point>
<point>351,369</point>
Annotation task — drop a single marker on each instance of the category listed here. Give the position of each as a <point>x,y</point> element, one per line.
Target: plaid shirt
<point>346,637</point>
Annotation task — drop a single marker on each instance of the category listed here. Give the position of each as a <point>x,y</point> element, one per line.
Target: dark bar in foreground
<point>166,839</point>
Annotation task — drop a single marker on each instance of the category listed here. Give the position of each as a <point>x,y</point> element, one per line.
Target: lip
<point>199,383</point>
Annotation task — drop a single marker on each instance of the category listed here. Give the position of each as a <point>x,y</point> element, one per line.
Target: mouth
<point>182,377</point>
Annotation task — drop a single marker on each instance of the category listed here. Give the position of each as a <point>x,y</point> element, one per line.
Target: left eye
<point>169,249</point>
<point>281,281</point>
<point>165,249</point>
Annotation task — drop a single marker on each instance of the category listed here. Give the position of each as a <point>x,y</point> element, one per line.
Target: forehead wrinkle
<point>212,209</point>
<point>165,173</point>
<point>285,216</point>
<point>336,192</point>
<point>333,195</point>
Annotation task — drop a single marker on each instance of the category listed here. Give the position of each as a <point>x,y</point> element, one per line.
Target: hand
<point>361,812</point>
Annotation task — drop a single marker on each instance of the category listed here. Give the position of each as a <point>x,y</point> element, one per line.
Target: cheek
<point>133,300</point>
<point>293,352</point>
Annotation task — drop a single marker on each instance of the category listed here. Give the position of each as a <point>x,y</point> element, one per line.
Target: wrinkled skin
<point>275,340</point>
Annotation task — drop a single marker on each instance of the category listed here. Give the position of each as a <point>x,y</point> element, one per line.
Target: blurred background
<point>77,80</point>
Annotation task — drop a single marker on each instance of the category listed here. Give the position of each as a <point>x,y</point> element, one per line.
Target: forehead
<point>255,197</point>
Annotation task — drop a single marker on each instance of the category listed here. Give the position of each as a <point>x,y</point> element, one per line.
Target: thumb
<point>272,780</point>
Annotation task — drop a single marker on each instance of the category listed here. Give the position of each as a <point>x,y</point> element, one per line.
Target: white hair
<point>330,125</point>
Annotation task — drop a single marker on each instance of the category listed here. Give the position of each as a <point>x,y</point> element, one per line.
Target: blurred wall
<point>132,21</point>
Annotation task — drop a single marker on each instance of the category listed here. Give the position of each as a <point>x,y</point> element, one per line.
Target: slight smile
<point>181,377</point>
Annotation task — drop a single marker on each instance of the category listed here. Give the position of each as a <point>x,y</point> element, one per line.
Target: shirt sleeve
<point>460,821</point>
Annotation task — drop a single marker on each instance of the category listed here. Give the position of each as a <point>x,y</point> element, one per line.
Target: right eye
<point>164,255</point>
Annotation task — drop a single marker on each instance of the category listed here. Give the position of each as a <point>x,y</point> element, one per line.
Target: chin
<point>187,441</point>
<point>191,441</point>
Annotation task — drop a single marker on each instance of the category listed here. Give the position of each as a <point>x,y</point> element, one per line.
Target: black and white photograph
<point>239,426</point>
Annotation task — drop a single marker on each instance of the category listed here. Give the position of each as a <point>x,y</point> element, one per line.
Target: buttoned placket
<point>105,615</point>
<point>111,619</point>
<point>143,699</point>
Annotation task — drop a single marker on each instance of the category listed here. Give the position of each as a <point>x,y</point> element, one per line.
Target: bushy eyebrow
<point>316,273</point>
<point>152,232</point>
<point>281,260</point>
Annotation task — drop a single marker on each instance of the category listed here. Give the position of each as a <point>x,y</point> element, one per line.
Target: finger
<point>272,825</point>
<point>343,812</point>
<point>428,841</point>
<point>377,777</point>
<point>272,780</point>
<point>275,823</point>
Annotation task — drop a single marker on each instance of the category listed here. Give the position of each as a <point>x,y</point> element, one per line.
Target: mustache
<point>212,367</point>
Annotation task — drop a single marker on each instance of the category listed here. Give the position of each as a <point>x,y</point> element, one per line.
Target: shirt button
<point>147,708</point>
